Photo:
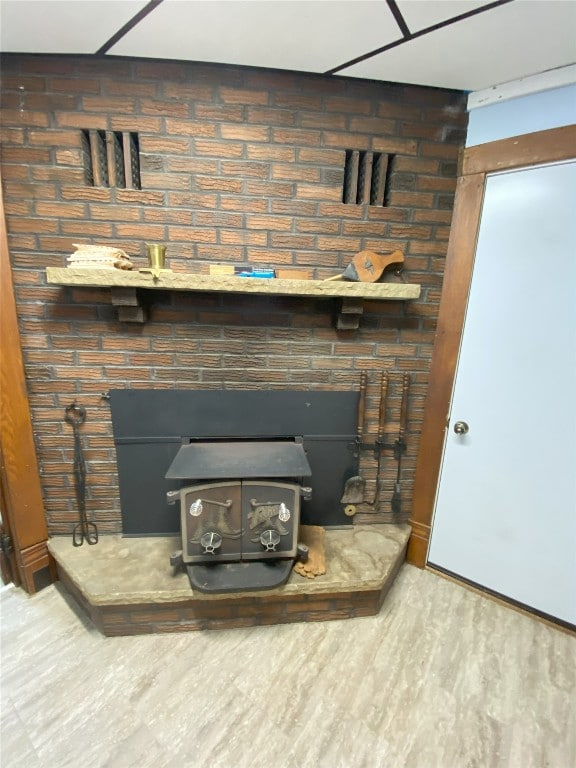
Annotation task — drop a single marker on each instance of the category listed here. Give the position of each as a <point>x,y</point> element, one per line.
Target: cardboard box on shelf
<point>294,274</point>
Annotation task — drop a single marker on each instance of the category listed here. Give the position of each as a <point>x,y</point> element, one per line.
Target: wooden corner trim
<point>33,559</point>
<point>22,493</point>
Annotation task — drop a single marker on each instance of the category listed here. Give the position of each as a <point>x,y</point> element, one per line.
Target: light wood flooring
<point>442,678</point>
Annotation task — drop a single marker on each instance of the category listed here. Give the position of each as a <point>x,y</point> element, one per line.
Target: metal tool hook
<point>75,414</point>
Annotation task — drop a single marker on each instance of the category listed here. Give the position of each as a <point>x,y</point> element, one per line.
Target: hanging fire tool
<point>400,445</point>
<point>354,489</point>
<point>84,530</point>
<point>379,444</point>
<point>354,486</point>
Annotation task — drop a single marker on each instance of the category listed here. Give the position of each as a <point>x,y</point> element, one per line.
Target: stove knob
<point>211,541</point>
<point>270,540</point>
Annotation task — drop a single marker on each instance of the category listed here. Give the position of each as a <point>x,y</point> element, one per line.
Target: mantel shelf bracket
<point>351,311</point>
<point>128,304</point>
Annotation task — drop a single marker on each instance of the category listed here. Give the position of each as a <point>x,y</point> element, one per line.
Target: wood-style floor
<point>442,678</point>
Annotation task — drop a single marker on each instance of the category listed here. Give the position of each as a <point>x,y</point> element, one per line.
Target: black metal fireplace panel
<point>332,461</point>
<point>143,487</point>
<point>150,427</point>
<point>232,413</point>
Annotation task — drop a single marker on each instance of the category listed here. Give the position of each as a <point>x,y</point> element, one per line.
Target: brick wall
<point>237,166</point>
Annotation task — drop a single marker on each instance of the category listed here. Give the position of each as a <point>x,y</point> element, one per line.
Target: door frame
<point>554,145</point>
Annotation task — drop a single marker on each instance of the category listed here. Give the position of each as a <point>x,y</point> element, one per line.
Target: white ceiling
<point>500,43</point>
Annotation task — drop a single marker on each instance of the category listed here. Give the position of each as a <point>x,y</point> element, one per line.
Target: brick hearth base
<point>127,586</point>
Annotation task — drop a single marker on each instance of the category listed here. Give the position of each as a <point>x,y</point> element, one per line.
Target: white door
<point>505,514</point>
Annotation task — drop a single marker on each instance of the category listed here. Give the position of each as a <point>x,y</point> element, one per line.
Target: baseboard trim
<point>507,602</point>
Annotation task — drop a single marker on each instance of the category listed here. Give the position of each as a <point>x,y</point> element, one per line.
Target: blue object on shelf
<point>258,273</point>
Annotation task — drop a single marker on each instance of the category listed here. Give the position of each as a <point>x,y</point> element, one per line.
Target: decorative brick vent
<point>111,159</point>
<point>367,177</point>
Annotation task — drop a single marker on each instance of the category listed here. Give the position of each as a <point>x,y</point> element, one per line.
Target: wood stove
<point>238,462</point>
<point>239,511</point>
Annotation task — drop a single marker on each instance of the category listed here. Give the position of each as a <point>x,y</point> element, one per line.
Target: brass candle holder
<point>156,254</point>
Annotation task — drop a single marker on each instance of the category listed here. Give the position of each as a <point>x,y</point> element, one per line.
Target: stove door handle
<point>284,514</point>
<point>255,503</point>
<point>197,506</point>
<point>226,504</point>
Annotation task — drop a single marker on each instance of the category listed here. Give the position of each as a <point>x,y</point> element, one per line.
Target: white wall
<point>525,114</point>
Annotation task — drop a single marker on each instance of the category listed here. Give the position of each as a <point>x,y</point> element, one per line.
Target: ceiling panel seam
<point>136,19</point>
<point>400,20</point>
<point>414,35</point>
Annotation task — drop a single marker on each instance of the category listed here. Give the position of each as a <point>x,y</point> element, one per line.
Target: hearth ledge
<point>127,587</point>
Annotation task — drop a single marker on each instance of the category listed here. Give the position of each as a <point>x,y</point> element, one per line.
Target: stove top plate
<point>241,459</point>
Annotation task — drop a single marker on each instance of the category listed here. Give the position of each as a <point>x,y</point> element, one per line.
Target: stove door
<point>211,522</point>
<point>270,515</point>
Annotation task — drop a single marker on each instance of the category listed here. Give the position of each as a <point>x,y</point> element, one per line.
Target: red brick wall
<point>238,166</point>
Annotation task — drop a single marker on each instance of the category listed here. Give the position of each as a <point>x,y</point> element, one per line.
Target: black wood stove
<point>239,511</point>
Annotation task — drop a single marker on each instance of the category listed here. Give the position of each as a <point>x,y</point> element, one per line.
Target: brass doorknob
<point>461,428</point>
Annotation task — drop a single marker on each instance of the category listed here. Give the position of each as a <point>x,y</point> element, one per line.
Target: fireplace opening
<point>152,427</point>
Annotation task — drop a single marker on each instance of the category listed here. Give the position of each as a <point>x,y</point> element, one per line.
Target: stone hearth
<point>127,586</point>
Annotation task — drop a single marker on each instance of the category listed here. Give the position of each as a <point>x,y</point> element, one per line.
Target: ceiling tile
<point>500,45</point>
<point>309,36</point>
<point>61,26</point>
<point>420,14</point>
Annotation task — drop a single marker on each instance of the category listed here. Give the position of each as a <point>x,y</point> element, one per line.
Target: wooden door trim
<point>23,505</point>
<point>457,276</point>
<point>554,145</point>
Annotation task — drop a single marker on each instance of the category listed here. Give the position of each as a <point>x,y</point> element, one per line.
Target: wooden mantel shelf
<point>124,285</point>
<point>187,281</point>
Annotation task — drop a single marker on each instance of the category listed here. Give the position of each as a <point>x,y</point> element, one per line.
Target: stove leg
<point>302,551</point>
<point>176,559</point>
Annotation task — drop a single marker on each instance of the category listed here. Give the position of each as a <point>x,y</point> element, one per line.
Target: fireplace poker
<point>379,444</point>
<point>400,445</point>
<point>84,530</point>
